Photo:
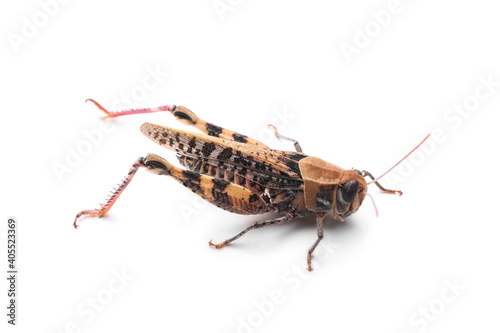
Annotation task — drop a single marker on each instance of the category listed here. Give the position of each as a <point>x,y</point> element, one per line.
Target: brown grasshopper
<point>242,175</point>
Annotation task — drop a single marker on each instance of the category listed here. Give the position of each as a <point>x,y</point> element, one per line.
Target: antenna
<point>395,165</point>
<point>373,202</point>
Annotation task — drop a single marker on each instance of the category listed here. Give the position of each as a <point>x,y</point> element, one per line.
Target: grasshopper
<point>242,175</point>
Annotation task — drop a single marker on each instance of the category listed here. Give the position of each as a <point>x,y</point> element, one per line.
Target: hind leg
<point>114,194</point>
<point>187,117</point>
<point>223,194</point>
<point>114,114</point>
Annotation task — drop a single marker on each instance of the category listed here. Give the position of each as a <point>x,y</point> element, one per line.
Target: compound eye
<point>349,191</point>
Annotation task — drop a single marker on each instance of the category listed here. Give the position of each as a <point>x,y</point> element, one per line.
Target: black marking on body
<point>296,157</point>
<point>281,199</point>
<point>293,158</point>
<point>218,191</point>
<point>253,197</point>
<point>156,165</point>
<point>213,130</point>
<point>240,138</point>
<point>208,148</point>
<point>225,154</point>
<point>182,115</point>
<point>222,199</point>
<point>294,166</point>
<point>192,180</point>
<point>247,161</point>
<point>191,145</point>
<point>219,184</point>
<point>193,176</point>
<point>324,198</point>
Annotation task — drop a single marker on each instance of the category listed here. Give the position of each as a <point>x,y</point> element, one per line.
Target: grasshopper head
<point>328,187</point>
<point>350,193</point>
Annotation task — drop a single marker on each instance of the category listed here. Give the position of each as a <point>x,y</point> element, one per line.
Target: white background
<point>239,68</point>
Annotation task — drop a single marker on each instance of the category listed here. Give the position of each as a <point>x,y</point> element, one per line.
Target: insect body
<point>242,175</point>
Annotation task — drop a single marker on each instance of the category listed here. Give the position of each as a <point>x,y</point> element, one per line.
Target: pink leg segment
<point>114,194</point>
<point>113,114</point>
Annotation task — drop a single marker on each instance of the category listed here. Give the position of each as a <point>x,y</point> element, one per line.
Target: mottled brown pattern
<point>268,161</point>
<point>253,180</point>
<point>223,194</point>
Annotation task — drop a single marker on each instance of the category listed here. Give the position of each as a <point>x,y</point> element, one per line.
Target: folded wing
<point>264,166</point>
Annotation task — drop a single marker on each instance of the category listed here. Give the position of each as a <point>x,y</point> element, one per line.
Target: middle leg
<point>279,136</point>
<point>256,225</point>
<point>319,223</point>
